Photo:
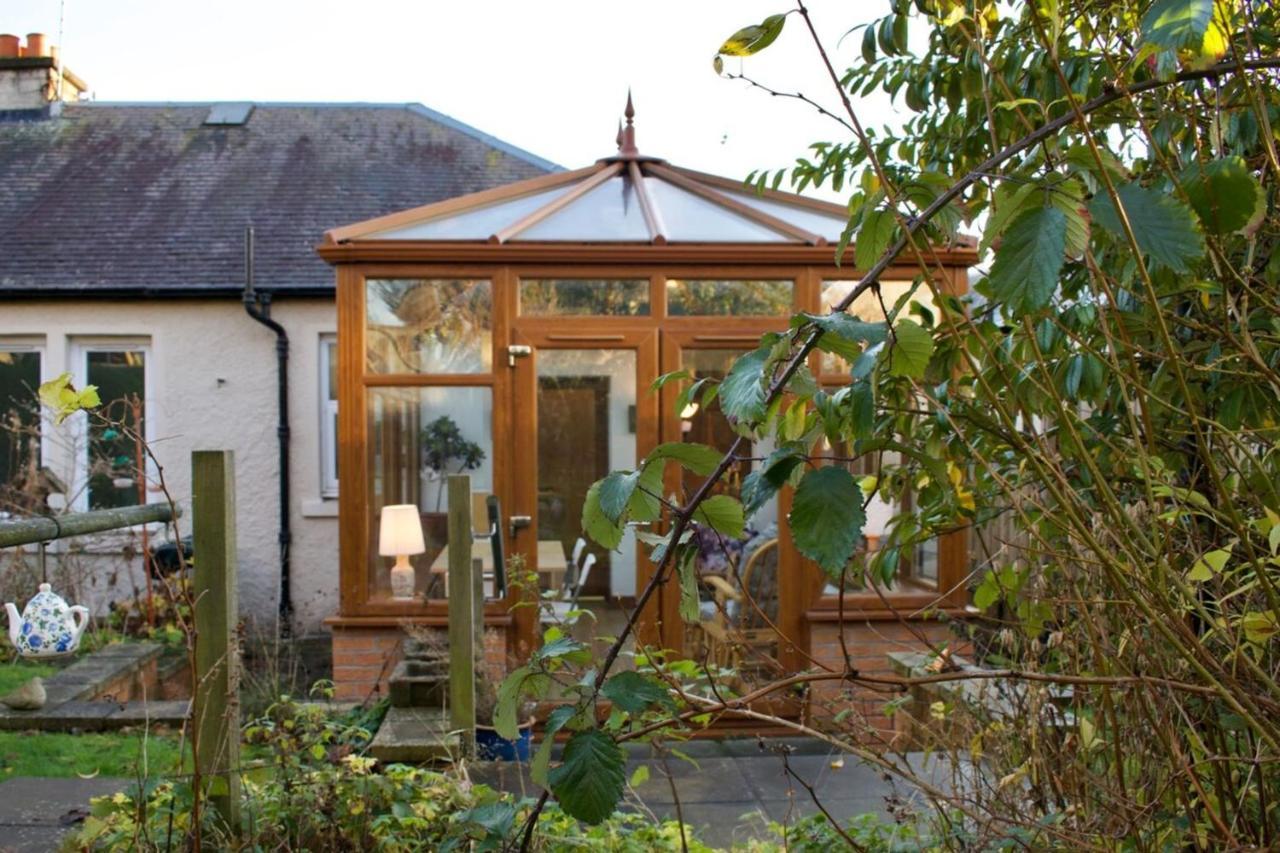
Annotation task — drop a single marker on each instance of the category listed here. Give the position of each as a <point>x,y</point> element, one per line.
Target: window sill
<point>327,508</point>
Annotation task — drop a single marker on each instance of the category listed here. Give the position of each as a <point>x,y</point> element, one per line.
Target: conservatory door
<point>581,410</point>
<point>765,616</point>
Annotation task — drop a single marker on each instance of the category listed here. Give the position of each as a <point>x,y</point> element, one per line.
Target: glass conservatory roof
<point>626,198</point>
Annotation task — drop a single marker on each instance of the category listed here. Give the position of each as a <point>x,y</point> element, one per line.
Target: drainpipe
<point>258,306</point>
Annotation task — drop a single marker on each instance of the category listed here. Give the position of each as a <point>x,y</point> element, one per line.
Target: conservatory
<point>514,335</point>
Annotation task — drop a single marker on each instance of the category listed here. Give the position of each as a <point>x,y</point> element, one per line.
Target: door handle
<point>519,522</point>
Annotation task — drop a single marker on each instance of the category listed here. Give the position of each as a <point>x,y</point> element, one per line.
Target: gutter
<point>258,306</point>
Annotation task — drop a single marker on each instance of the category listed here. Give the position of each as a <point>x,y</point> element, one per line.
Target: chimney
<point>32,77</point>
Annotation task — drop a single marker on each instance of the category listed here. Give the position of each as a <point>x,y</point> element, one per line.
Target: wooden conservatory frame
<point>386,248</point>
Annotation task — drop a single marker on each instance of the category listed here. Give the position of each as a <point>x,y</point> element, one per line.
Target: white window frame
<point>36,344</point>
<point>328,418</point>
<point>80,349</point>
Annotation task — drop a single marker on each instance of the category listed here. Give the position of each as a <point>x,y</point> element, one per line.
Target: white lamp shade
<point>401,531</point>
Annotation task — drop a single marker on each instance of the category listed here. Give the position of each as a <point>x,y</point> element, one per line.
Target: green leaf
<point>910,351</point>
<point>601,528</point>
<point>542,758</point>
<point>644,504</point>
<point>686,569</point>
<point>698,458</point>
<point>673,376</point>
<point>1024,275</point>
<point>862,409</point>
<point>639,776</point>
<point>873,238</point>
<point>742,392</point>
<point>1223,193</point>
<point>869,45</point>
<point>504,711</point>
<point>635,693</point>
<point>754,38</point>
<point>1164,227</point>
<point>1009,200</point>
<point>761,485</point>
<point>843,334</point>
<point>590,780</point>
<point>615,492</point>
<point>723,514</point>
<point>565,648</point>
<point>827,517</point>
<point>1177,24</point>
<point>1210,564</point>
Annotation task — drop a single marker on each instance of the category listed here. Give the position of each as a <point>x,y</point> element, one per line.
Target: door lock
<point>515,351</point>
<point>519,522</point>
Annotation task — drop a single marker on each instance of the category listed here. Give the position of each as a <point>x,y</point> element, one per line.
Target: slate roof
<point>145,198</point>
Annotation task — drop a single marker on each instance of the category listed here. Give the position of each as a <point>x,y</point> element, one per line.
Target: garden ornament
<point>48,627</point>
<point>29,697</point>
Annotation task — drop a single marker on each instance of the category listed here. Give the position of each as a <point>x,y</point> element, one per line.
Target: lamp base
<point>402,578</point>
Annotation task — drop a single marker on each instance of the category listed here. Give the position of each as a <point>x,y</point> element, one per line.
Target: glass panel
<point>867,307</point>
<point>417,437</point>
<point>578,296</point>
<point>691,219</point>
<point>116,459</point>
<point>737,298</point>
<point>924,568</point>
<point>476,224</point>
<point>610,212</point>
<point>19,430</point>
<point>829,225</point>
<point>586,410</point>
<point>428,325</point>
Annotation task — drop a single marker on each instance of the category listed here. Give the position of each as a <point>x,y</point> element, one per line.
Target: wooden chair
<point>740,629</point>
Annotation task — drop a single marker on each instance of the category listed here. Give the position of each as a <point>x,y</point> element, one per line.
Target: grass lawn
<point>55,754</point>
<point>17,673</point>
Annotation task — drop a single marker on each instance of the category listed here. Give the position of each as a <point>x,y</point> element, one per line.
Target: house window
<point>329,416</point>
<point>19,424</point>
<point>113,457</point>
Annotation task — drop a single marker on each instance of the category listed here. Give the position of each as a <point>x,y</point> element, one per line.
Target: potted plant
<point>445,451</point>
<point>491,746</point>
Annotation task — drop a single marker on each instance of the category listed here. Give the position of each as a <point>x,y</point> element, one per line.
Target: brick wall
<point>869,644</point>
<point>364,656</point>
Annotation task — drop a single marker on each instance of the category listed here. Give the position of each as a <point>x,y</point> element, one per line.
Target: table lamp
<point>400,536</point>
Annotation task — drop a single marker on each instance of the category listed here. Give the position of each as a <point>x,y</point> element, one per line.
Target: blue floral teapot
<point>48,627</point>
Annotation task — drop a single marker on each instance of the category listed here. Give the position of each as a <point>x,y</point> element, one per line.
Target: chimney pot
<point>10,46</point>
<point>37,45</point>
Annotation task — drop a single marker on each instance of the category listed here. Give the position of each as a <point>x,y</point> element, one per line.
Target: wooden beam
<point>26,531</point>
<point>652,215</point>
<point>215,709</point>
<point>462,616</point>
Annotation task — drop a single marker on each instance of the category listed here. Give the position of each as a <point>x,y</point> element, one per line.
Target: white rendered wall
<point>212,381</point>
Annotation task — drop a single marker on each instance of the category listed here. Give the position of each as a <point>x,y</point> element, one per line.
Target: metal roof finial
<point>627,148</point>
<point>619,139</point>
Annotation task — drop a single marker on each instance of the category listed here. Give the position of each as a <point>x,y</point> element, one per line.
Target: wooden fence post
<point>216,704</point>
<point>462,616</point>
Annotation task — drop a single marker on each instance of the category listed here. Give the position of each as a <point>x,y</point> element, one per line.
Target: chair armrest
<point>721,587</point>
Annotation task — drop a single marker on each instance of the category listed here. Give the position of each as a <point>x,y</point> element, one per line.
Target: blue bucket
<point>490,746</point>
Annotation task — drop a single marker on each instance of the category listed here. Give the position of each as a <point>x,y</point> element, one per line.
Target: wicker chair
<point>739,630</point>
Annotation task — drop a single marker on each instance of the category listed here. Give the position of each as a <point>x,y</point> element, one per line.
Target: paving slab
<point>35,814</point>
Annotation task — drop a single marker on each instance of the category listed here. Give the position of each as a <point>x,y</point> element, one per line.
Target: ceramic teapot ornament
<point>48,627</point>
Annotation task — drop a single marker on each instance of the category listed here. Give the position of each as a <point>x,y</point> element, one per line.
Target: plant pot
<point>490,746</point>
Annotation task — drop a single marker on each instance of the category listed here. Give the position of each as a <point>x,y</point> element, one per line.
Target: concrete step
<point>414,735</point>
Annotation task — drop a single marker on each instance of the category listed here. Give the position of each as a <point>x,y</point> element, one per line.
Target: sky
<point>549,77</point>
